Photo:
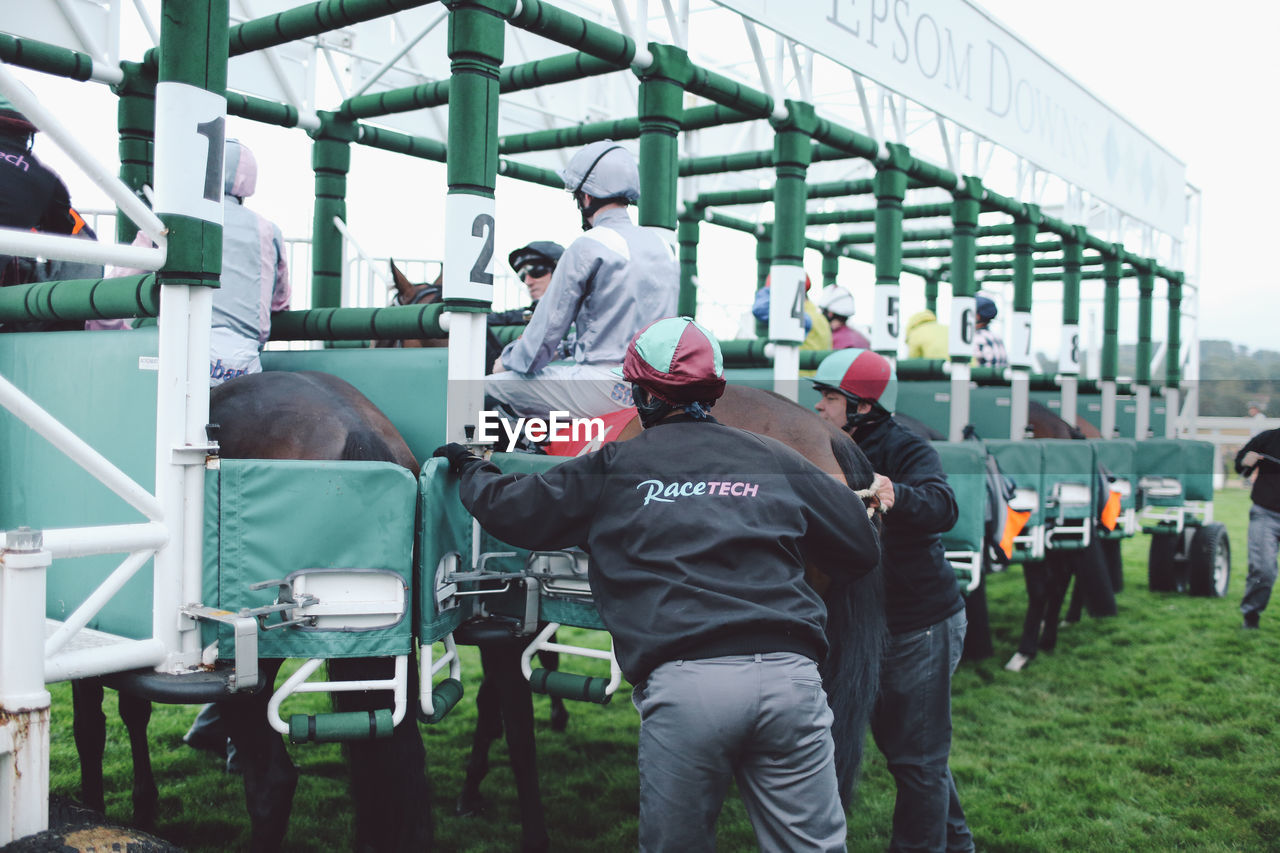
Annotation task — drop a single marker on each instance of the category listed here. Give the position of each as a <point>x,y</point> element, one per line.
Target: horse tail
<point>857,633</point>
<point>367,446</point>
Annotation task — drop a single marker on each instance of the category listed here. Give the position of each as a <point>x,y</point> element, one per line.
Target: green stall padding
<point>965,465</point>
<point>340,727</point>
<point>927,401</point>
<point>567,610</point>
<point>1069,462</point>
<point>1120,457</point>
<point>408,385</point>
<point>989,408</point>
<point>1197,459</point>
<point>1023,462</point>
<point>102,386</point>
<point>268,519</point>
<point>444,527</point>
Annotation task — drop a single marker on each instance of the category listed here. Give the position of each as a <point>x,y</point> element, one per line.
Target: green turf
<point>1151,731</point>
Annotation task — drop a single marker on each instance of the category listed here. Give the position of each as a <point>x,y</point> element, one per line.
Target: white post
<point>1172,416</point>
<point>24,703</point>
<point>1108,408</point>
<point>1020,397</point>
<point>1142,417</point>
<point>786,326</point>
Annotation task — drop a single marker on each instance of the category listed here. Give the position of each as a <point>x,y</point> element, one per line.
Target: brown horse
<point>296,416</point>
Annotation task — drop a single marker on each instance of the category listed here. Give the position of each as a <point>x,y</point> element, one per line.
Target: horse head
<point>408,293</point>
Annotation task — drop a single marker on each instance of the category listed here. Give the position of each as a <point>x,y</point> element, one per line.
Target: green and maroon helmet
<point>677,361</point>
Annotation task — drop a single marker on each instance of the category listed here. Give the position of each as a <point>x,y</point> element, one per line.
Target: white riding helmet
<point>603,169</point>
<point>834,299</point>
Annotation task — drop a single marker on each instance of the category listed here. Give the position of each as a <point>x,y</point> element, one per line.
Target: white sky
<point>1190,75</point>
<point>1185,73</point>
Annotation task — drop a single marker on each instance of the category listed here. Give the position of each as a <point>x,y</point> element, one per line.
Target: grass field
<point>1150,731</point>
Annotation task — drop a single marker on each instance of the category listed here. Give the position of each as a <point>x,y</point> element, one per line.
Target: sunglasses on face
<point>536,271</point>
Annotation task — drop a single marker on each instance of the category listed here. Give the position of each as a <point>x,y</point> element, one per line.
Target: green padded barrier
<point>927,401</point>
<point>342,727</point>
<point>989,408</point>
<point>1127,415</point>
<point>408,385</point>
<point>567,610</point>
<point>965,465</point>
<point>444,696</point>
<point>1197,457</point>
<point>266,519</point>
<point>1120,457</point>
<point>1162,457</point>
<point>566,685</point>
<point>1023,462</point>
<point>1070,487</point>
<point>444,526</point>
<point>93,384</point>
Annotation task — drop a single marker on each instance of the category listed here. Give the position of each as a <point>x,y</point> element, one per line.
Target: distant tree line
<point>1230,377</point>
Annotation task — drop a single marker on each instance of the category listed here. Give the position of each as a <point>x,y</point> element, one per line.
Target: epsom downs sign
<point>953,58</point>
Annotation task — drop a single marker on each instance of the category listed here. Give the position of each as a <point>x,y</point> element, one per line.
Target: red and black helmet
<point>677,361</point>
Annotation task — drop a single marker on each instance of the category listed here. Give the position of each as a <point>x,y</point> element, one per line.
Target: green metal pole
<point>660,113</point>
<point>764,260</point>
<point>830,268</point>
<point>190,111</point>
<point>931,293</point>
<point>136,121</point>
<point>1142,369</point>
<point>687,232</point>
<point>1173,359</point>
<point>1110,342</point>
<point>1025,227</point>
<point>477,29</point>
<point>331,161</point>
<point>1069,355</point>
<point>791,150</point>
<point>964,217</point>
<point>890,189</point>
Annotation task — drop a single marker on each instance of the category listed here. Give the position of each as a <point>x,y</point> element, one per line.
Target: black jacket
<point>920,585</point>
<point>1266,489</point>
<point>698,535</point>
<point>31,197</point>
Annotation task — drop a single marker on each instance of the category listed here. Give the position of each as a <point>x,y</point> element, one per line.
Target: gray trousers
<point>762,720</point>
<point>1264,541</point>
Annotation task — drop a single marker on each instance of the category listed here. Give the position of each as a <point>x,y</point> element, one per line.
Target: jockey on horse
<point>611,282</point>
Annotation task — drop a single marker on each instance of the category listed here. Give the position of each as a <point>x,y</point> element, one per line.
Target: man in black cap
<point>533,264</point>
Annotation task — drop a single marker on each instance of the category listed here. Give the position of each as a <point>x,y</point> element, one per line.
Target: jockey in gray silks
<point>699,535</point>
<point>611,282</point>
<point>255,275</point>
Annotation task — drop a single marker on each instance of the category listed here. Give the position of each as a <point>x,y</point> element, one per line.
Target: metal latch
<point>245,630</point>
<point>285,605</point>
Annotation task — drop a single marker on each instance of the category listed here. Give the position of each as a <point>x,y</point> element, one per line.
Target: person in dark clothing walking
<point>924,609</point>
<point>1263,454</point>
<point>699,535</point>
<point>33,197</point>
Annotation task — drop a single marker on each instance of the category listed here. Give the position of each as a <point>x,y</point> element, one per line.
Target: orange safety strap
<point>1013,523</point>
<point>78,220</point>
<point>1111,511</point>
